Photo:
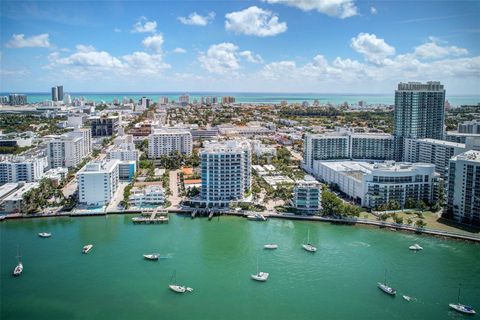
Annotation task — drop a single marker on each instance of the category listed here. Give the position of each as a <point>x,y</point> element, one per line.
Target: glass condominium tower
<point>419,113</point>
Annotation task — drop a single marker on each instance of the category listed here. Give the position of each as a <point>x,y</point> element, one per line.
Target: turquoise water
<point>216,258</point>
<point>253,97</point>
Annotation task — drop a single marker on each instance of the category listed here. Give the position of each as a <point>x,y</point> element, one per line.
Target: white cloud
<point>144,25</point>
<point>197,20</point>
<point>334,8</point>
<point>19,41</point>
<point>250,57</point>
<point>117,30</point>
<point>220,58</point>
<point>373,10</point>
<point>433,49</point>
<point>179,50</point>
<point>154,43</point>
<point>254,21</point>
<point>373,49</point>
<point>88,62</point>
<point>280,69</point>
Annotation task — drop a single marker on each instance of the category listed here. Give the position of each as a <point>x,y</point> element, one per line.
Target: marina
<point>210,256</point>
<point>154,217</point>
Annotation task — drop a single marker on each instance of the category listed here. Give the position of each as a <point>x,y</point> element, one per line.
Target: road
<point>174,198</point>
<point>118,197</point>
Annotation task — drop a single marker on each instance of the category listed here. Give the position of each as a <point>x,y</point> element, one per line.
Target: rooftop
<point>470,155</point>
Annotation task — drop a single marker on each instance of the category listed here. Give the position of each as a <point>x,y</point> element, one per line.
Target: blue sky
<point>324,46</point>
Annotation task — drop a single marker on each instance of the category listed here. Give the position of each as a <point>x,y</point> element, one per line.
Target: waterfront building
<point>437,152</point>
<point>225,172</point>
<point>419,112</point>
<point>104,126</point>
<point>98,182</point>
<point>15,99</point>
<point>184,100</point>
<point>463,193</point>
<point>207,133</point>
<point>3,100</point>
<point>60,93</point>
<point>469,127</point>
<point>127,169</point>
<point>22,168</point>
<point>371,185</point>
<point>165,141</point>
<point>163,100</point>
<point>13,203</point>
<point>146,196</point>
<point>346,144</point>
<point>307,195</point>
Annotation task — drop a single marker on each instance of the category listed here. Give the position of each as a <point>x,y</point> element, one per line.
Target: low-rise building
<point>14,201</point>
<point>307,196</point>
<point>146,196</point>
<point>372,185</point>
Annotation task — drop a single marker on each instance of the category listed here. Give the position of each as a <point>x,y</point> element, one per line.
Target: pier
<point>155,217</point>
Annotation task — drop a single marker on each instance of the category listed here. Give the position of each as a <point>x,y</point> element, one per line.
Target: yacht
<point>462,308</point>
<point>415,247</point>
<point>260,275</point>
<point>153,256</point>
<point>385,288</point>
<point>256,217</point>
<point>308,246</point>
<point>177,288</point>
<point>44,235</point>
<point>87,248</point>
<point>270,246</point>
<point>19,268</point>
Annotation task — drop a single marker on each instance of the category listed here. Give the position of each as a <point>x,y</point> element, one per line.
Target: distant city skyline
<point>314,46</point>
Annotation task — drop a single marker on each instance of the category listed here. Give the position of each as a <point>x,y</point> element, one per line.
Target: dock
<point>155,217</point>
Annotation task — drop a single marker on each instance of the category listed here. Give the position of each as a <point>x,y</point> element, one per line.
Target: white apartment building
<point>165,141</point>
<point>124,152</point>
<point>344,144</point>
<point>148,196</point>
<point>21,168</point>
<point>86,134</point>
<point>65,151</point>
<point>371,185</point>
<point>463,193</point>
<point>469,127</point>
<point>307,196</point>
<point>437,152</point>
<point>14,201</point>
<point>225,172</point>
<point>97,182</point>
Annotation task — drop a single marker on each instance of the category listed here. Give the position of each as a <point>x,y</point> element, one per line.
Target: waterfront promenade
<point>290,216</point>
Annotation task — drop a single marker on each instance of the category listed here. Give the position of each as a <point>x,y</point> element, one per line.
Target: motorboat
<point>462,308</point>
<point>87,248</point>
<point>415,247</point>
<point>44,235</point>
<point>256,217</point>
<point>308,246</point>
<point>385,288</point>
<point>270,246</point>
<point>153,256</point>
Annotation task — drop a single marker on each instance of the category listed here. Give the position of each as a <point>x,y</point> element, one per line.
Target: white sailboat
<point>385,288</point>
<point>19,268</point>
<point>178,288</point>
<point>260,275</point>
<point>308,246</point>
<point>462,308</point>
<point>44,235</point>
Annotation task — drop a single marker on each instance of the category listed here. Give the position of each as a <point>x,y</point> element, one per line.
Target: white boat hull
<point>44,235</point>
<point>178,289</point>
<point>152,257</point>
<point>309,247</point>
<point>261,276</point>
<point>387,289</point>
<point>18,270</point>
<point>270,246</point>
<point>86,249</point>
<point>462,308</point>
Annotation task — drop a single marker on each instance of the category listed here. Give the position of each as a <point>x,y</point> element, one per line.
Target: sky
<point>315,46</point>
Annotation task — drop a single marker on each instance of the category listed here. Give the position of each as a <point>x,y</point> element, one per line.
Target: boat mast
<point>385,278</point>
<point>459,288</point>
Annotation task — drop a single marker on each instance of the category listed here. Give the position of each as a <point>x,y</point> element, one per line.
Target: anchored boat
<point>385,288</point>
<point>260,275</point>
<point>270,246</point>
<point>153,256</point>
<point>178,288</point>
<point>415,247</point>
<point>308,246</point>
<point>44,235</point>
<point>462,308</point>
<point>19,268</point>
